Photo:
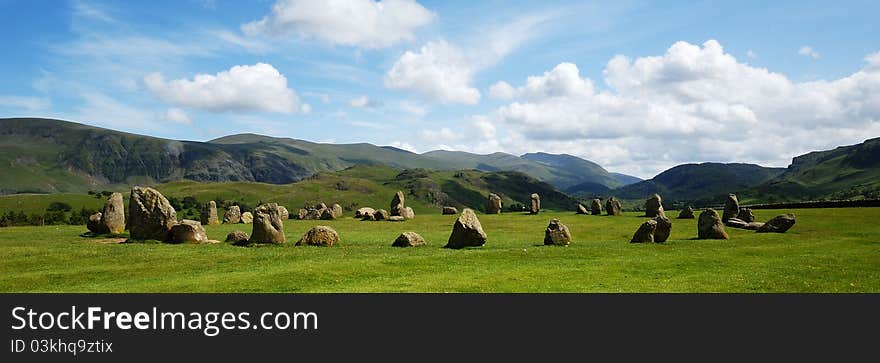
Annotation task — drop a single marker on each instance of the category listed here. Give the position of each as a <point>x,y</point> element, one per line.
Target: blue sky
<point>637,86</point>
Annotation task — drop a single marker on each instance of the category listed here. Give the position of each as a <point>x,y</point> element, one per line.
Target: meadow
<point>828,250</point>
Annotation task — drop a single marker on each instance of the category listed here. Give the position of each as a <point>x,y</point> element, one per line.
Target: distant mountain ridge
<point>45,155</point>
<point>699,181</point>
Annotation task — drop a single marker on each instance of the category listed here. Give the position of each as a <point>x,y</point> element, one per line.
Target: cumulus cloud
<point>360,23</point>
<point>693,103</point>
<point>177,115</point>
<point>259,87</point>
<point>439,72</point>
<point>808,51</point>
<point>364,102</point>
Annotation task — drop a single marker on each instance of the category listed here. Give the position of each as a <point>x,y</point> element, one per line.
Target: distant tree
<point>59,206</point>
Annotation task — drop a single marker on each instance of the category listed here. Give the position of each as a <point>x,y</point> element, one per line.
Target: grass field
<point>828,250</point>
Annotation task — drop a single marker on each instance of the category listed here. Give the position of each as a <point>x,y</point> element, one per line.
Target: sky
<point>636,86</point>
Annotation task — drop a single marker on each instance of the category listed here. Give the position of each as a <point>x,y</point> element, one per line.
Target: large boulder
<point>664,228</point>
<point>731,208</point>
<point>188,231</point>
<point>232,215</point>
<point>779,224</point>
<point>612,207</point>
<point>268,226</point>
<point>409,239</point>
<point>113,215</point>
<point>337,210</point>
<point>450,210</point>
<point>467,231</point>
<point>754,226</point>
<point>686,213</point>
<point>397,204</point>
<point>94,224</point>
<point>381,215</point>
<point>709,225</point>
<point>654,206</point>
<point>248,217</point>
<point>285,214</point>
<point>150,215</point>
<point>237,238</point>
<point>596,207</point>
<point>535,205</point>
<point>736,223</point>
<point>408,213</point>
<point>209,214</point>
<point>302,213</point>
<point>322,236</point>
<point>645,233</point>
<point>746,214</point>
<point>557,234</point>
<point>581,209</point>
<point>327,214</point>
<point>314,213</point>
<point>493,204</point>
<point>364,212</point>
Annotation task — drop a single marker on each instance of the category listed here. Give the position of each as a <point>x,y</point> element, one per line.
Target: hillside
<point>50,156</point>
<point>847,172</point>
<point>699,181</point>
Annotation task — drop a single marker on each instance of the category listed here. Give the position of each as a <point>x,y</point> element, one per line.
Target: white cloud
<point>414,109</point>
<point>364,102</point>
<point>177,115</point>
<point>443,135</point>
<point>809,52</point>
<point>693,103</point>
<point>242,88</point>
<point>502,90</point>
<point>27,103</point>
<point>438,72</point>
<point>360,23</point>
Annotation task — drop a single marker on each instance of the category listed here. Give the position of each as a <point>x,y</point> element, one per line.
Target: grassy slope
<point>836,250</point>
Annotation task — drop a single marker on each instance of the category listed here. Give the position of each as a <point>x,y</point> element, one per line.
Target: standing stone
<point>248,218</point>
<point>536,204</point>
<point>409,239</point>
<point>596,207</point>
<point>209,214</point>
<point>581,209</point>
<point>654,206</point>
<point>314,214</point>
<point>408,213</point>
<point>337,210</point>
<point>709,226</point>
<point>731,208</point>
<point>612,207</point>
<point>113,216</point>
<point>557,234</point>
<point>302,213</point>
<point>645,233</point>
<point>94,224</point>
<point>327,214</point>
<point>664,228</point>
<point>381,215</point>
<point>686,213</point>
<point>493,205</point>
<point>268,227</point>
<point>285,214</point>
<point>363,212</point>
<point>397,204</point>
<point>188,231</point>
<point>746,214</point>
<point>322,236</point>
<point>779,224</point>
<point>450,210</point>
<point>232,215</point>
<point>151,216</point>
<point>467,231</point>
<point>237,238</point>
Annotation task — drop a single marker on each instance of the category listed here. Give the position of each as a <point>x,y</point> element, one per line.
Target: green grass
<point>830,250</point>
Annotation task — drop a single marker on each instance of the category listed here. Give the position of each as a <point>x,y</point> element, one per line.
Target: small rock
<point>322,236</point>
<point>409,239</point>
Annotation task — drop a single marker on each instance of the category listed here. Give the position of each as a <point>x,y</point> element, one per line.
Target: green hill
<point>691,182</point>
<point>847,172</point>
<point>50,156</point>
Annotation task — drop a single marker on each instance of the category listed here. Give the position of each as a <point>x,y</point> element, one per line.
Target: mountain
<point>625,179</point>
<point>689,182</point>
<point>846,172</point>
<point>44,155</point>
